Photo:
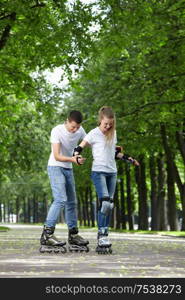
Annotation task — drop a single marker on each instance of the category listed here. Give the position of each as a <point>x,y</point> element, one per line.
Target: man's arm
<point>59,157</point>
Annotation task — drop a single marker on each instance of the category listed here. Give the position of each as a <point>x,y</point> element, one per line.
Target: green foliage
<point>138,68</point>
<point>134,61</point>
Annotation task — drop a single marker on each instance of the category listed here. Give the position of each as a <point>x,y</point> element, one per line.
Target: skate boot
<point>104,245</point>
<point>49,242</point>
<point>76,242</point>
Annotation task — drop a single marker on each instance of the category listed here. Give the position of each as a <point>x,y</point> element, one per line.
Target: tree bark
<point>129,198</point>
<point>117,209</point>
<point>91,208</point>
<point>6,32</point>
<point>17,204</point>
<point>87,206</point>
<point>153,194</point>
<point>162,219</point>
<point>181,143</point>
<point>172,212</point>
<point>122,197</point>
<point>140,173</point>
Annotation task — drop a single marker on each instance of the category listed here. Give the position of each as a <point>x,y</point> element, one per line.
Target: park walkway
<point>134,255</point>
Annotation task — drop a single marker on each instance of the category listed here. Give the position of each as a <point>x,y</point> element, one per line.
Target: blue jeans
<point>64,196</point>
<point>105,184</point>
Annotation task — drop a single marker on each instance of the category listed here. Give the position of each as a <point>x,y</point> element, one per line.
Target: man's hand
<point>78,159</point>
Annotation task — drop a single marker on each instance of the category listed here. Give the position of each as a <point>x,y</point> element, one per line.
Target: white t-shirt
<point>67,140</point>
<point>103,151</point>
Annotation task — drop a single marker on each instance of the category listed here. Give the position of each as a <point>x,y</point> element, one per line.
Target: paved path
<point>134,255</point>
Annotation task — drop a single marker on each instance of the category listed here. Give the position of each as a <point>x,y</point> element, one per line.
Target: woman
<point>103,141</point>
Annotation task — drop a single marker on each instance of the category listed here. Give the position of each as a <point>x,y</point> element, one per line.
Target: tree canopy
<point>126,54</point>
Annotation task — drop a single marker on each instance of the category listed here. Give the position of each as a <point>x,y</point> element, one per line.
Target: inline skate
<point>49,242</point>
<point>76,242</point>
<point>104,245</point>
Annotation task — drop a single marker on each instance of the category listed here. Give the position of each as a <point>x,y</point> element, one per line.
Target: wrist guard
<point>117,150</point>
<point>77,150</point>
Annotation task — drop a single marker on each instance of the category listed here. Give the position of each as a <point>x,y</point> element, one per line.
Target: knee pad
<point>106,205</point>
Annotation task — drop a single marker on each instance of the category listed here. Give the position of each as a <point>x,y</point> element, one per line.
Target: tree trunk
<point>17,204</point>
<point>162,220</point>
<point>172,212</point>
<point>29,210</point>
<point>117,209</point>
<point>35,208</point>
<point>181,186</point>
<point>122,198</point>
<point>129,198</point>
<point>80,210</point>
<point>92,213</point>
<point>7,31</point>
<point>87,206</point>
<point>8,211</point>
<point>153,195</point>
<point>24,210</point>
<point>83,209</point>
<point>142,194</point>
<point>181,143</point>
<point>43,209</point>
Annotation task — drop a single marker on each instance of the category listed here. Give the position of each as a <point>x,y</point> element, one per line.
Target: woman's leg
<point>99,180</point>
<point>111,186</point>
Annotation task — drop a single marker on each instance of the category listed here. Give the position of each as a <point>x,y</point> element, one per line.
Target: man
<point>64,138</point>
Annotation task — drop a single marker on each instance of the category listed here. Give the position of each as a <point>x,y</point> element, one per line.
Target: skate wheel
<point>41,251</point>
<point>48,250</point>
<point>63,250</point>
<point>56,251</point>
<point>103,250</point>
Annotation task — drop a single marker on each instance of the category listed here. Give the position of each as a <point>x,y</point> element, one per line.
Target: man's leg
<point>57,181</point>
<point>71,203</point>
<point>76,242</point>
<point>58,187</point>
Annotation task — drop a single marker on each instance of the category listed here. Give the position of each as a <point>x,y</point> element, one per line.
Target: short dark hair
<point>76,116</point>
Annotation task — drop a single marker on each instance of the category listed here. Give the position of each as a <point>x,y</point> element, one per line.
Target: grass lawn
<point>3,228</point>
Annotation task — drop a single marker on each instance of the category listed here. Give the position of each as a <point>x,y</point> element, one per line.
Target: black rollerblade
<point>49,242</point>
<point>104,245</point>
<point>76,242</point>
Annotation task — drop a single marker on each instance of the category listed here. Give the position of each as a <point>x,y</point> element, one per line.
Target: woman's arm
<point>126,157</point>
<point>80,147</point>
<point>84,144</point>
